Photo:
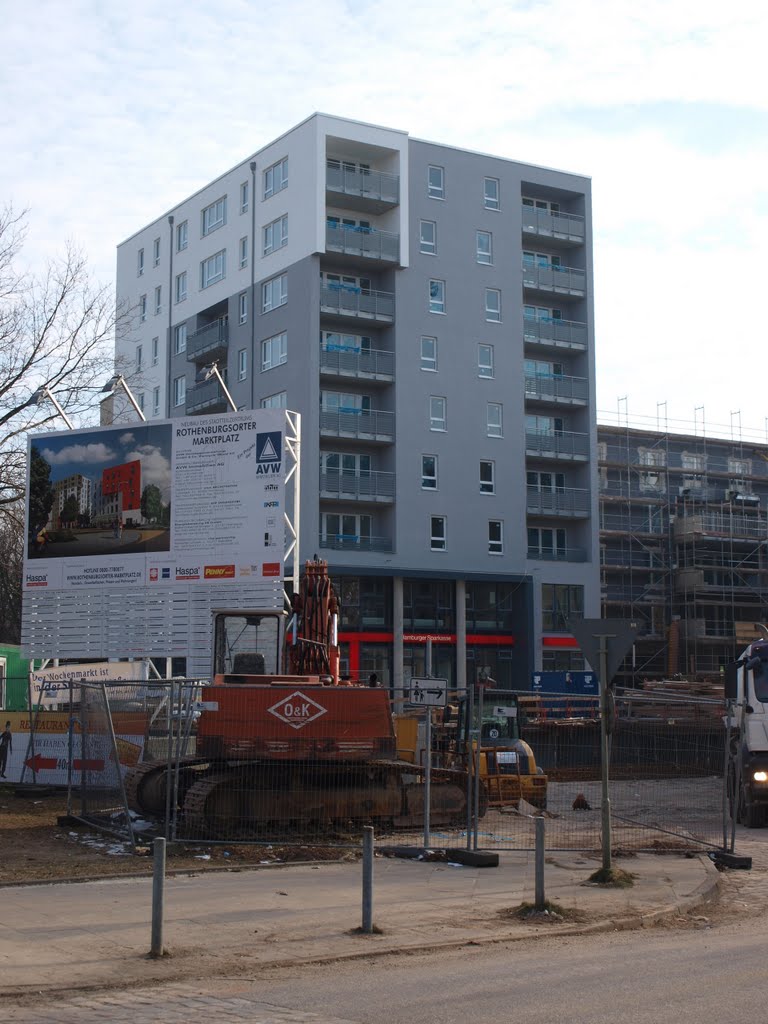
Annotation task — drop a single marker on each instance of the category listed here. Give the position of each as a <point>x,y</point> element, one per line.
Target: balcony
<point>555,389</point>
<point>347,302</point>
<point>362,244</point>
<point>569,502</point>
<point>563,228</point>
<point>376,487</point>
<point>554,280</point>
<point>355,542</point>
<point>361,364</point>
<point>210,342</point>
<point>369,425</point>
<point>360,189</point>
<point>721,525</point>
<point>564,445</point>
<point>557,555</point>
<point>206,397</point>
<point>554,334</point>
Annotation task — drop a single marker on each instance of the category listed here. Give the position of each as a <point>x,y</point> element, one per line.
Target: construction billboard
<point>134,532</point>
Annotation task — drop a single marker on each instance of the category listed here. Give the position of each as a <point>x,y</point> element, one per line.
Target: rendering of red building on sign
<point>124,480</point>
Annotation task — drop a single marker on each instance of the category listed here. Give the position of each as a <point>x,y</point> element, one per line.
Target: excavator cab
<point>247,644</point>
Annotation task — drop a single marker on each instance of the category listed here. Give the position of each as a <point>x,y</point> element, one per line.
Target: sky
<point>113,113</point>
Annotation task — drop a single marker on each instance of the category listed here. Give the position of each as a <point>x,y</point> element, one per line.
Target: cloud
<point>127,438</point>
<point>155,468</point>
<point>84,454</point>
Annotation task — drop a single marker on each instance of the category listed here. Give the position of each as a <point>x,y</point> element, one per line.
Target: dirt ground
<point>35,848</point>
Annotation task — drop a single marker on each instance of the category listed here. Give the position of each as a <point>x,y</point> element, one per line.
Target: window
<point>155,401</point>
<point>485,360</point>
<point>182,236</point>
<point>274,293</point>
<point>179,390</point>
<point>276,234</point>
<point>437,413</point>
<point>181,286</point>
<point>277,401</point>
<point>242,307</point>
<point>156,253</point>
<point>274,351</point>
<point>242,364</point>
<point>690,460</point>
<point>552,483</point>
<point>487,477</point>
<point>491,194</point>
<point>346,531</point>
<point>179,339</point>
<point>437,533</point>
<point>276,178</point>
<point>140,399</point>
<point>541,204</point>
<point>739,467</point>
<point>493,305</point>
<point>542,313</point>
<point>335,341</point>
<point>547,426</point>
<point>428,353</point>
<point>244,188</point>
<point>428,237</point>
<point>155,350</point>
<point>139,354</point>
<point>560,602</point>
<point>495,537</point>
<point>214,216</point>
<point>652,457</point>
<point>547,544</point>
<point>158,299</point>
<point>140,263</point>
<point>429,472</point>
<point>213,269</point>
<point>142,308</point>
<point>437,296</point>
<point>244,251</point>
<point>484,247</point>
<point>435,182</point>
<point>542,368</point>
<point>494,419</point>
<point>345,402</point>
<point>541,259</point>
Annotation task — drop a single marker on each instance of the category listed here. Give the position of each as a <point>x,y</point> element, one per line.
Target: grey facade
<point>436,336</point>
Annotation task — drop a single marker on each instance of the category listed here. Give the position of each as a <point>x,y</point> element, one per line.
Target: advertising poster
<point>50,686</point>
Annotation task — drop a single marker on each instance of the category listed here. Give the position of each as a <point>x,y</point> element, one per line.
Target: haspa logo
<point>219,572</point>
<point>153,575</point>
<point>270,569</point>
<point>297,710</point>
<point>186,573</point>
<point>31,580</point>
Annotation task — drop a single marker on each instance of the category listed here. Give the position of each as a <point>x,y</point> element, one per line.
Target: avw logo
<point>297,710</point>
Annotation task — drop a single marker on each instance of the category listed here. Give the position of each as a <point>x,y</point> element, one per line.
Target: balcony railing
<point>553,387</point>
<point>557,279</point>
<point>363,303</point>
<point>206,397</point>
<point>566,227</point>
<point>555,333</point>
<point>370,425</point>
<point>565,501</point>
<point>557,445</point>
<point>343,362</point>
<point>355,542</point>
<point>377,186</point>
<point>209,340</point>
<point>376,486</point>
<point>558,554</point>
<point>721,525</point>
<point>360,241</point>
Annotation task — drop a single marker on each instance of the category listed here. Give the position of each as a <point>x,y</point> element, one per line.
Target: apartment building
<point>683,546</point>
<point>428,311</point>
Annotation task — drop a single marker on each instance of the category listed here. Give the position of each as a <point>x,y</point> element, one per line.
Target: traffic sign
<point>619,635</point>
<point>427,692</point>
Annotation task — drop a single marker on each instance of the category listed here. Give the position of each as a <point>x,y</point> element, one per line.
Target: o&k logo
<point>219,572</point>
<point>297,710</point>
<point>269,453</point>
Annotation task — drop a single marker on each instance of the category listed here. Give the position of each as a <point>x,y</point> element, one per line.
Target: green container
<point>14,679</point>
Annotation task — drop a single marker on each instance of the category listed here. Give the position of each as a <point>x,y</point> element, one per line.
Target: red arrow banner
<point>88,765</point>
<point>38,763</point>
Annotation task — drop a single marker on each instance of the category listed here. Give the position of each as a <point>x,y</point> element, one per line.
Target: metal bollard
<point>367,879</point>
<point>158,896</point>
<point>540,901</point>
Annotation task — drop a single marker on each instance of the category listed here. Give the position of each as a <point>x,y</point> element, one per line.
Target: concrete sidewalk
<point>92,935</point>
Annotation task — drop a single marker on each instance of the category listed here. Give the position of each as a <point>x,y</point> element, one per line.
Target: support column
<point>397,631</point>
<point>461,636</point>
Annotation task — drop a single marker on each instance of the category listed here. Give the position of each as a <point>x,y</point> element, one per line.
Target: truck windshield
<point>760,680</point>
<point>499,722</point>
<point>247,644</point>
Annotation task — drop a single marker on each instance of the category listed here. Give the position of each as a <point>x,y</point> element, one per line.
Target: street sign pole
<point>428,753</point>
<point>606,800</point>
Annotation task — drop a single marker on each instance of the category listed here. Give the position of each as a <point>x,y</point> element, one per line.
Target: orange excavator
<point>284,746</point>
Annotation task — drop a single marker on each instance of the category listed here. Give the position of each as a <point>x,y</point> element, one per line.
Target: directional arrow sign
<point>38,763</point>
<point>619,633</point>
<point>428,692</point>
<point>89,765</point>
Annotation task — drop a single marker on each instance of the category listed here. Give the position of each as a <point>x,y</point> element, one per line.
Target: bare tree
<point>11,553</point>
<point>57,331</point>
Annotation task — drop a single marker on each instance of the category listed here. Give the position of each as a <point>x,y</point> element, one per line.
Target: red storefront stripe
<point>559,641</point>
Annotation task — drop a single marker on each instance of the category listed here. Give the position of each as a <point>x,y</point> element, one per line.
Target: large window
<point>366,602</point>
<point>428,237</point>
<point>495,537</point>
<point>179,390</point>
<point>428,353</point>
<point>275,235</point>
<point>242,307</point>
<point>491,194</point>
<point>158,299</point>
<point>142,308</point>
<point>487,476</point>
<point>276,178</point>
<point>560,602</point>
<point>179,339</point>
<point>548,544</point>
<point>155,401</point>
<point>243,252</point>
<point>244,190</point>
<point>156,253</point>
<point>182,236</point>
<point>429,472</point>
<point>435,182</point>
<point>428,604</point>
<point>155,350</point>
<point>242,364</point>
<point>181,286</point>
<point>438,413</point>
<point>342,531</point>
<point>437,296</point>
<point>485,361</point>
<point>274,351</point>
<point>213,269</point>
<point>494,419</point>
<point>274,293</point>
<point>140,263</point>
<point>550,483</point>
<point>484,246</point>
<point>493,305</point>
<point>437,533</point>
<point>139,354</point>
<point>214,216</point>
<point>277,401</point>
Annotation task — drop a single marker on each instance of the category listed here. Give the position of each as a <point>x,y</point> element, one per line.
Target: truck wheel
<point>751,815</point>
